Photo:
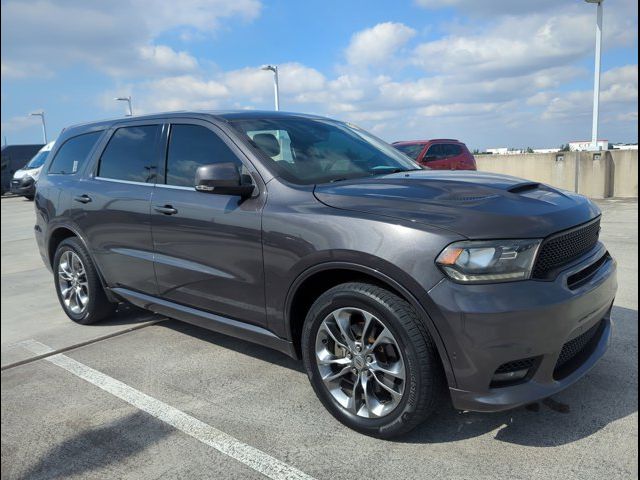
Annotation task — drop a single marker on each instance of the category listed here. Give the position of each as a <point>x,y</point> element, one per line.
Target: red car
<point>439,154</point>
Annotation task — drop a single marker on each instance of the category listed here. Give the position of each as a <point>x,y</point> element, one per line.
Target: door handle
<point>82,198</point>
<point>166,209</point>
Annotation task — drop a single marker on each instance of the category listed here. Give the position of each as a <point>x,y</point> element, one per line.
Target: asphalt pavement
<point>144,397</point>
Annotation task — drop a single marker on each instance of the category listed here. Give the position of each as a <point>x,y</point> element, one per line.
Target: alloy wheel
<point>360,362</point>
<point>73,284</point>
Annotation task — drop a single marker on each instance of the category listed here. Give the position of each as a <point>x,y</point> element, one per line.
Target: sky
<point>492,73</point>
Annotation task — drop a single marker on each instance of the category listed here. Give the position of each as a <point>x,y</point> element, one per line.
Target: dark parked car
<point>439,154</point>
<point>14,157</point>
<point>315,238</point>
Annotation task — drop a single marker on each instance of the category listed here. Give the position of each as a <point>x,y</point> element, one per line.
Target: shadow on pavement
<point>607,393</point>
<point>241,346</point>
<point>126,315</point>
<point>100,447</point>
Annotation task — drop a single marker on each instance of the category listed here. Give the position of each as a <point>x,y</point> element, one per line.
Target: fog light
<point>508,377</point>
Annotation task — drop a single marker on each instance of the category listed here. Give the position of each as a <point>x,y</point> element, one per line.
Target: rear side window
<point>191,146</point>
<point>73,153</point>
<point>453,149</point>
<point>131,154</point>
<point>444,150</point>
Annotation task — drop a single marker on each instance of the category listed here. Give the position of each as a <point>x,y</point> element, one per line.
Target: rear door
<point>111,205</point>
<point>208,247</point>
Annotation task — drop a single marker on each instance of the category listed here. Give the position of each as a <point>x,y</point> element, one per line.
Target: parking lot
<point>141,396</point>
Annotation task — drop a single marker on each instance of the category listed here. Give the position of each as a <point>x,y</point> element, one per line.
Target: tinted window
<point>453,149</point>
<point>319,150</point>
<point>73,153</point>
<point>443,150</point>
<point>412,150</point>
<point>280,149</point>
<point>191,146</point>
<point>131,154</point>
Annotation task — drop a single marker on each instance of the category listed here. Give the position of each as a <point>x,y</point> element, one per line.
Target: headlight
<point>489,261</point>
<point>35,173</point>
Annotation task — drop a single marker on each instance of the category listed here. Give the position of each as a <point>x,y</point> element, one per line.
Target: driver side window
<point>191,146</point>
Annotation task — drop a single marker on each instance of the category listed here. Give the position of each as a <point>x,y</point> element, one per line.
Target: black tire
<point>423,371</point>
<point>29,197</point>
<point>98,306</point>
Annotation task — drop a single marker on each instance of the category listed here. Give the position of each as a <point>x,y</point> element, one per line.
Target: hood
<point>477,205</point>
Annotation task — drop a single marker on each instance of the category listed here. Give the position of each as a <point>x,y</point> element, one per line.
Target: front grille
<point>563,247</point>
<point>580,278</point>
<point>574,351</point>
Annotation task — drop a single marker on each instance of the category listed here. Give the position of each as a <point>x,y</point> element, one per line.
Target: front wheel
<point>78,286</point>
<point>370,359</point>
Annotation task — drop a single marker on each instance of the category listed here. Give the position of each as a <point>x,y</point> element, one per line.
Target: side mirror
<point>222,179</point>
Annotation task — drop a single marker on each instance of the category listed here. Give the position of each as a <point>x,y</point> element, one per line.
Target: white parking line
<point>224,443</point>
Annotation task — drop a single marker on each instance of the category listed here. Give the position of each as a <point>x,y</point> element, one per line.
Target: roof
<point>224,115</point>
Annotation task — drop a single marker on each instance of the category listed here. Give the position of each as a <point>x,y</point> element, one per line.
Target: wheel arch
<point>61,233</point>
<point>319,278</point>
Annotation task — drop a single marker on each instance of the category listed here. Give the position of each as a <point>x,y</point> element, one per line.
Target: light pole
<point>596,77</point>
<point>274,69</point>
<point>44,125</point>
<point>128,100</point>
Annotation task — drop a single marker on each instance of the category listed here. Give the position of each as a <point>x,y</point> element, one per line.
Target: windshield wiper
<point>375,173</point>
<point>393,170</point>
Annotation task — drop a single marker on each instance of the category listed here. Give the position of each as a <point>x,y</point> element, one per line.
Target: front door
<point>208,247</point>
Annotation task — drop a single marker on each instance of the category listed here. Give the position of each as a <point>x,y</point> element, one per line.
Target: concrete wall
<point>601,174</point>
<point>625,180</point>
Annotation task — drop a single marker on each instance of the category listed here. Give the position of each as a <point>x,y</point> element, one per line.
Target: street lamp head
<point>37,114</point>
<point>269,67</point>
<point>123,98</point>
<point>594,1</point>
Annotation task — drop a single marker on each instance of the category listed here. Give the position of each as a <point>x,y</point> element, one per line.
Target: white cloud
<point>234,89</point>
<point>166,58</point>
<point>16,70</point>
<point>117,37</point>
<point>492,75</point>
<point>378,44</point>
<point>518,45</point>
<point>618,97</point>
<point>183,92</point>
<point>490,7</point>
<point>17,124</point>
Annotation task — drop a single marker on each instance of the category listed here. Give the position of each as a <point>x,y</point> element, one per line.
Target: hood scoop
<point>523,187</point>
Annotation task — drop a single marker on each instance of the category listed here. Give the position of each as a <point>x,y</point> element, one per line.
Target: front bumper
<point>486,326</point>
<point>25,186</point>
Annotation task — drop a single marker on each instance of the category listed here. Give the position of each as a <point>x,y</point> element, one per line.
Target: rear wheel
<point>370,359</point>
<point>77,283</point>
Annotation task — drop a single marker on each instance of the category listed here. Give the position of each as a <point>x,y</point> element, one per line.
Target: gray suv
<point>315,238</point>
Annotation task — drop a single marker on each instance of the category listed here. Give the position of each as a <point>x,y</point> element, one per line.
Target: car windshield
<point>37,161</point>
<point>308,151</point>
<point>412,150</point>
